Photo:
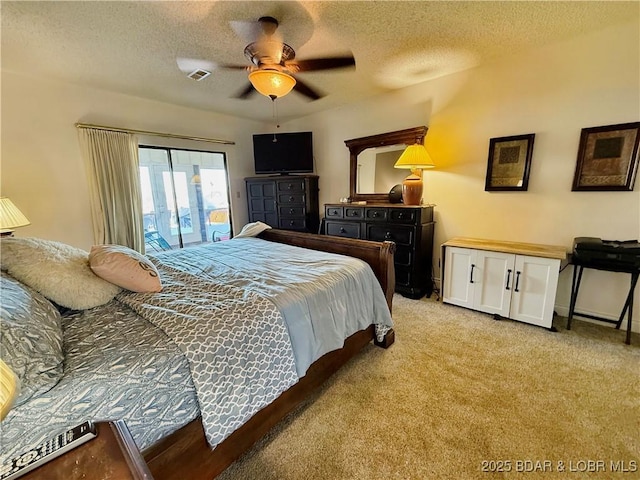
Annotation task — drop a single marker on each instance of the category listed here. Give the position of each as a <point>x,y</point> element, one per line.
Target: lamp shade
<point>9,389</point>
<point>415,156</point>
<point>272,83</point>
<point>10,216</point>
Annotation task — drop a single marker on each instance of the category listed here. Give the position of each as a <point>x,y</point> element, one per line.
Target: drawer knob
<point>375,214</point>
<point>290,187</point>
<point>291,199</point>
<point>388,236</point>
<point>292,222</point>
<point>342,230</point>
<point>401,215</point>
<point>291,211</point>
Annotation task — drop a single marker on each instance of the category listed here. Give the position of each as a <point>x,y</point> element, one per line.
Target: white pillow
<point>58,271</point>
<point>125,267</point>
<point>252,229</point>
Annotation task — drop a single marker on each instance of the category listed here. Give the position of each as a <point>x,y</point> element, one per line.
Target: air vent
<point>199,74</point>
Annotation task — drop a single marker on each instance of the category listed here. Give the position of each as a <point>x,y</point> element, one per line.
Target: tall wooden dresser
<point>410,227</point>
<point>289,202</point>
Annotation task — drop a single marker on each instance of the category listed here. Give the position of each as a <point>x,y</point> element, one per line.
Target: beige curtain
<point>114,186</point>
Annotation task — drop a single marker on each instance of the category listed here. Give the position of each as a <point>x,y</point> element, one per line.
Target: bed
<point>119,362</point>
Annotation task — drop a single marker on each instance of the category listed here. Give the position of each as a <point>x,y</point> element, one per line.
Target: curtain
<point>114,186</point>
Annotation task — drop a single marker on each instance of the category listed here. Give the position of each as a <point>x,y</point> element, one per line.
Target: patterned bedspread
<point>117,365</point>
<point>236,342</point>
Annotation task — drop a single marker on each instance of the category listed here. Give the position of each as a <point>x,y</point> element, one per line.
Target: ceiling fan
<point>273,64</point>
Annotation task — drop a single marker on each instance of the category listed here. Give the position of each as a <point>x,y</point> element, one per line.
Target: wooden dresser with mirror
<point>411,227</point>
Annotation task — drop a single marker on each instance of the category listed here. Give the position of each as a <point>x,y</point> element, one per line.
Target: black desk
<point>578,267</point>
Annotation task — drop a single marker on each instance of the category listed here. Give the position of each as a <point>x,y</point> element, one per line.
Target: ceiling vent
<point>199,74</point>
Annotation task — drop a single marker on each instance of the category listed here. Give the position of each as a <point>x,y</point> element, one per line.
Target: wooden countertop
<point>532,249</point>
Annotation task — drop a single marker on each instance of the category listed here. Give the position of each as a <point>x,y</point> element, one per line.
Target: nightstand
<point>112,455</point>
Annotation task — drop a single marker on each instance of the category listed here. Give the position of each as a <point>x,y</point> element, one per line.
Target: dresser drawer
<point>291,198</point>
<point>403,256</point>
<point>404,215</point>
<point>376,214</point>
<point>290,185</point>
<point>403,276</point>
<point>354,212</point>
<point>333,212</point>
<point>291,211</point>
<point>400,235</point>
<point>343,229</point>
<point>292,223</point>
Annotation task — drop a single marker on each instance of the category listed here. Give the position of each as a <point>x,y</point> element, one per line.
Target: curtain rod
<point>155,134</point>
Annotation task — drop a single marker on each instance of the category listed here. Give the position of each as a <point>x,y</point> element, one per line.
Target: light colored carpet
<point>458,389</point>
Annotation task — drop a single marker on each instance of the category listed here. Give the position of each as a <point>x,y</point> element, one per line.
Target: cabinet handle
<point>508,278</point>
<point>471,277</point>
<point>517,282</point>
<point>342,230</point>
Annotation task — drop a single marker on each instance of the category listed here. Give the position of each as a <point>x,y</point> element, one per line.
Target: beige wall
<point>42,169</point>
<point>554,92</point>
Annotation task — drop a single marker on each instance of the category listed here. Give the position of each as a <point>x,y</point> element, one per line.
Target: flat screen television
<point>283,153</point>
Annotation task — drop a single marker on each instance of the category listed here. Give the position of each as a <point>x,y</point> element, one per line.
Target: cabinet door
<point>459,265</point>
<point>534,290</point>
<point>493,277</point>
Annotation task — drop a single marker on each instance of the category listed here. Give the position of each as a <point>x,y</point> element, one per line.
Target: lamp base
<point>412,190</point>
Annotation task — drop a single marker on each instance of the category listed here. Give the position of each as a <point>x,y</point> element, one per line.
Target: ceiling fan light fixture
<point>272,83</point>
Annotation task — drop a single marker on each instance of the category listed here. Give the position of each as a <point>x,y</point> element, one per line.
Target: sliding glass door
<point>185,197</point>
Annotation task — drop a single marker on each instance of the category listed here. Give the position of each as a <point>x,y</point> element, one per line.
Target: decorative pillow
<point>31,340</point>
<point>59,272</point>
<point>125,267</point>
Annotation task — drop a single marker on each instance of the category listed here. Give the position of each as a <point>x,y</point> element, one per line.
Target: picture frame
<point>607,158</point>
<point>509,163</point>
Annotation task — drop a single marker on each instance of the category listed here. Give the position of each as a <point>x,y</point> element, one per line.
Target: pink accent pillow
<point>125,267</point>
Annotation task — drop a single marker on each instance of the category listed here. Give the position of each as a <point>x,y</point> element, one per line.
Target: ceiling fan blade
<point>306,90</point>
<point>246,92</point>
<point>247,30</point>
<point>324,63</point>
<point>232,67</point>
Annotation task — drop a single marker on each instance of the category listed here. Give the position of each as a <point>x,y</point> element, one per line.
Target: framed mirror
<point>371,172</point>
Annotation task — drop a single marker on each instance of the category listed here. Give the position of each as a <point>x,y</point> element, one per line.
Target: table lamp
<point>416,158</point>
<point>10,218</point>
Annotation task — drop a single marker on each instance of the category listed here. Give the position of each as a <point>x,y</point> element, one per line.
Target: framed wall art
<point>509,163</point>
<point>607,158</point>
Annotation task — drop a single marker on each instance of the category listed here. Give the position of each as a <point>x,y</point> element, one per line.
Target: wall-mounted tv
<point>283,153</point>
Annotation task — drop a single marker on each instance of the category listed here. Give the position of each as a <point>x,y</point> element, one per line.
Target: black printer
<point>606,254</point>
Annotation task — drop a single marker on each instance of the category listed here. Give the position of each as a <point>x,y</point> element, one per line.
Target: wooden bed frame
<point>186,454</point>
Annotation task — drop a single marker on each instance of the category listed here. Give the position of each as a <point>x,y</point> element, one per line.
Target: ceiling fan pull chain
<point>275,112</point>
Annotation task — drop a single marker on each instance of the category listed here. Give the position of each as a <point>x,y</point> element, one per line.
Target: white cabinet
<point>502,278</point>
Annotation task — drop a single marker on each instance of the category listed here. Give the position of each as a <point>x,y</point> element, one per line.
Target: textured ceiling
<point>133,47</point>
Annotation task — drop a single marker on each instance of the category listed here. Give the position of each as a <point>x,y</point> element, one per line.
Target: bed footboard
<point>379,255</point>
